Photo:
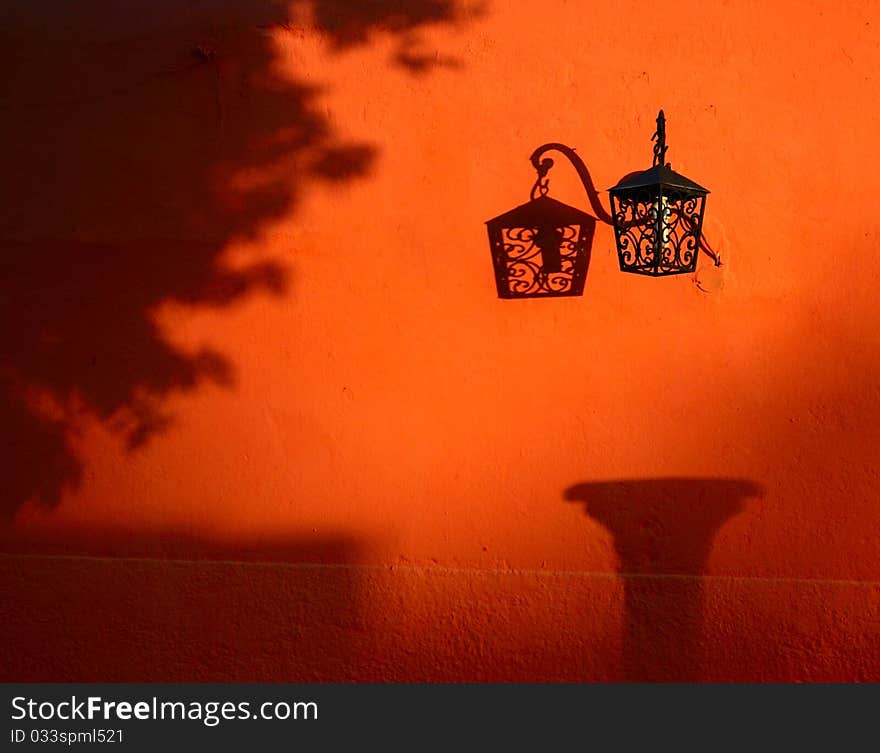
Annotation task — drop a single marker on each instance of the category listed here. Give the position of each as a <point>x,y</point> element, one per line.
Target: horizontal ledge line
<point>598,574</point>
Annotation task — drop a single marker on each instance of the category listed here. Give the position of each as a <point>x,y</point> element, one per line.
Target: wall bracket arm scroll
<point>544,165</point>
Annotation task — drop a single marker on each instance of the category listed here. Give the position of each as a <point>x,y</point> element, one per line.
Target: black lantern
<point>658,216</point>
<point>541,248</point>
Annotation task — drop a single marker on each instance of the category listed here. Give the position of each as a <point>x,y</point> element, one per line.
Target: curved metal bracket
<point>542,166</point>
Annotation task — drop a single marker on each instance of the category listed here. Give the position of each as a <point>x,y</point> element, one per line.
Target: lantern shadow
<point>663,531</point>
<point>541,249</point>
<point>148,141</point>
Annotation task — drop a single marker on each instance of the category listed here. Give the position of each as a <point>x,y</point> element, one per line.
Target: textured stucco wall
<point>264,417</point>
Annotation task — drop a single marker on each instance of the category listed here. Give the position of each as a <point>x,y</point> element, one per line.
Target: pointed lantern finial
<point>660,137</point>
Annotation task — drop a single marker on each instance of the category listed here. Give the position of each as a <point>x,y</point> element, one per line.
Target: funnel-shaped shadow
<point>663,531</point>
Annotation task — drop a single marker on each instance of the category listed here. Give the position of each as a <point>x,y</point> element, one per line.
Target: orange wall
<point>265,418</point>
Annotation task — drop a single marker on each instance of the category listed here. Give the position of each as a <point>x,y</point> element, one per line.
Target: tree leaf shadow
<point>148,138</point>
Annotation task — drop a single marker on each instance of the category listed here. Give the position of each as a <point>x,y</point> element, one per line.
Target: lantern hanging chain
<point>542,183</point>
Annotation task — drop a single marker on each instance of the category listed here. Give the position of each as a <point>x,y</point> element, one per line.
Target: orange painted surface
<point>264,417</point>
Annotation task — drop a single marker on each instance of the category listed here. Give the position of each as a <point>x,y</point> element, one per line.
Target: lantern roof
<point>662,175</point>
<point>542,211</point>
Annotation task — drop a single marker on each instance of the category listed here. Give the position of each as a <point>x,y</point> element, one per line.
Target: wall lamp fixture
<point>542,248</point>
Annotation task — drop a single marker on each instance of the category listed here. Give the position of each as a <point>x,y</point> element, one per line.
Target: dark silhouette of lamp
<point>658,216</point>
<point>542,248</point>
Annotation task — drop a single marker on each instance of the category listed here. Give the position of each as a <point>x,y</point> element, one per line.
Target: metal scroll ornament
<point>658,216</point>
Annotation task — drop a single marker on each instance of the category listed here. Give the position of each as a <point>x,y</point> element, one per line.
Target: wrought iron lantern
<point>658,216</point>
<point>542,248</point>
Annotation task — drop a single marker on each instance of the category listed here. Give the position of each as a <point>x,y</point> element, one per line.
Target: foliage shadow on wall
<point>149,137</point>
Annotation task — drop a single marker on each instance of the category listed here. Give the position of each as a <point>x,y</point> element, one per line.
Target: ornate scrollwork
<point>526,260</point>
<point>657,234</point>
